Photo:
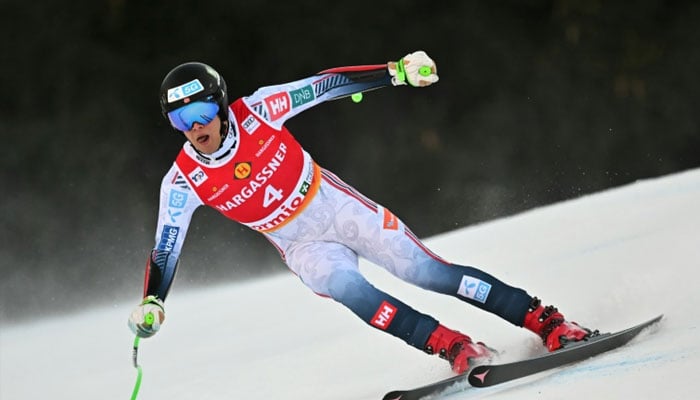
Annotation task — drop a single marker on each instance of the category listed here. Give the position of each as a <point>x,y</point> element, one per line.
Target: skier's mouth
<point>203,139</point>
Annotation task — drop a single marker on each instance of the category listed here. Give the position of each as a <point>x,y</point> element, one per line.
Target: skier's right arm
<point>177,203</point>
<point>278,103</point>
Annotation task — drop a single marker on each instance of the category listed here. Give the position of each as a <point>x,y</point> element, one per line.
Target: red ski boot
<point>456,348</point>
<point>552,327</point>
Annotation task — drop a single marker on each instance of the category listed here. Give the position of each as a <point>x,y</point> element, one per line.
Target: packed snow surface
<point>607,260</point>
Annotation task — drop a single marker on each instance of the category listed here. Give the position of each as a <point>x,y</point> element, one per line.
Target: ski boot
<point>552,327</point>
<point>456,348</point>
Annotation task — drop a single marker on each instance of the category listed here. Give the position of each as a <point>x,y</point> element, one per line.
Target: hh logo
<point>390,220</point>
<point>242,170</point>
<point>385,314</point>
<point>278,105</point>
<point>474,289</point>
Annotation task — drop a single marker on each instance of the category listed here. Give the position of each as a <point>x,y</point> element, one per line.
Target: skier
<point>241,160</point>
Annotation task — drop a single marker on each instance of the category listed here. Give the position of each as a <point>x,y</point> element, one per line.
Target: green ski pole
<point>139,373</point>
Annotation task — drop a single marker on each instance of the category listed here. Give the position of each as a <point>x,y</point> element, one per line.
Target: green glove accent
<point>401,72</point>
<point>152,300</point>
<point>149,318</point>
<point>425,70</point>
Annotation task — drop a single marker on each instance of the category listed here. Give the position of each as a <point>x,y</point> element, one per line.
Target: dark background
<point>538,101</point>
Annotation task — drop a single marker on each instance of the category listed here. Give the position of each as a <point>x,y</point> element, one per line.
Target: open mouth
<point>203,139</point>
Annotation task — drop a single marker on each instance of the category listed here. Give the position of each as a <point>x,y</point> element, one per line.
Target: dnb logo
<point>474,289</point>
<point>241,170</point>
<point>302,96</point>
<point>384,315</point>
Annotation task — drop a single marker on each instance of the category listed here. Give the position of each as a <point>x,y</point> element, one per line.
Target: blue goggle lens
<point>184,118</point>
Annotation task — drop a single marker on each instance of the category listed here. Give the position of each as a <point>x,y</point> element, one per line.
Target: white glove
<point>416,69</point>
<point>147,317</point>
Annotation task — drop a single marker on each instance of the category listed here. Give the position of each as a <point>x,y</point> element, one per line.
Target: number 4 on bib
<point>271,195</point>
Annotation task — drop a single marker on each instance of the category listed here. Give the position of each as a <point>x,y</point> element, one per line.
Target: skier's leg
<point>330,270</point>
<point>340,214</point>
<point>487,292</point>
<point>376,234</point>
<point>310,248</point>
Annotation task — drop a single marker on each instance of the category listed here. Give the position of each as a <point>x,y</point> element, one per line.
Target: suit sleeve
<point>176,206</point>
<point>278,103</point>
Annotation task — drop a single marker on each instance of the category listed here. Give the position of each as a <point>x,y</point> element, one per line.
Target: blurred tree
<point>539,101</point>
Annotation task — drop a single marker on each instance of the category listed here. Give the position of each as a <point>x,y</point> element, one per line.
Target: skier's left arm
<point>278,103</point>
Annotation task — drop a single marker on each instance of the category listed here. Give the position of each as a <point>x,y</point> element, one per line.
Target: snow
<point>608,261</point>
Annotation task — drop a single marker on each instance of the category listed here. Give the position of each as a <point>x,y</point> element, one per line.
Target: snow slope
<point>607,260</point>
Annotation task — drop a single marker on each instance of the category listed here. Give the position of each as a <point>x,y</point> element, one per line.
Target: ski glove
<point>416,69</point>
<point>147,317</point>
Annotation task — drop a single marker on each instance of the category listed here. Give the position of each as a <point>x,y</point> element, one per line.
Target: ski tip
<point>395,395</point>
<point>655,320</point>
<point>649,323</point>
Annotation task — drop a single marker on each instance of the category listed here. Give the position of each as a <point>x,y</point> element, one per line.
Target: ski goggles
<point>202,112</point>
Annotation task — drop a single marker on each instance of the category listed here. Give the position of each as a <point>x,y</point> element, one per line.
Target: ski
<point>489,375</point>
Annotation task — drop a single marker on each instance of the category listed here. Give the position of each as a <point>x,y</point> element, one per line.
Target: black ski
<point>489,375</point>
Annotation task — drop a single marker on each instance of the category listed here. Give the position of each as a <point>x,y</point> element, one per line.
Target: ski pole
<point>139,373</point>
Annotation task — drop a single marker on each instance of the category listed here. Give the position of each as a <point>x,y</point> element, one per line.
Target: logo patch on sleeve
<point>278,105</point>
<point>390,220</point>
<point>474,289</point>
<point>302,96</point>
<point>168,238</point>
<point>177,199</point>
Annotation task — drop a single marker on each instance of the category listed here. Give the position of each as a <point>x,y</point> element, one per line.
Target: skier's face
<point>205,138</point>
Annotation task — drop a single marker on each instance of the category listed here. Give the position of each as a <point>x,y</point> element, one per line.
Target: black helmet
<point>193,81</point>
